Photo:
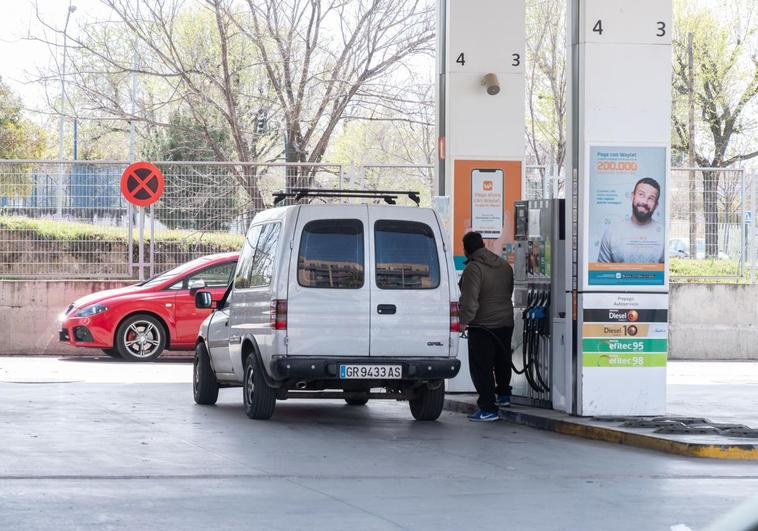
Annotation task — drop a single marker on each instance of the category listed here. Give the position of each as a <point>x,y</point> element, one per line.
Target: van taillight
<point>455,320</point>
<point>278,314</point>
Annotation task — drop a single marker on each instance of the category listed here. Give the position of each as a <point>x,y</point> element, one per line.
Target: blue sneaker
<point>483,416</point>
<point>503,400</point>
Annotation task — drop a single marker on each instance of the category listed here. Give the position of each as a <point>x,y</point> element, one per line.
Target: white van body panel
<point>336,322</point>
<point>421,325</point>
<point>323,321</point>
<point>250,307</point>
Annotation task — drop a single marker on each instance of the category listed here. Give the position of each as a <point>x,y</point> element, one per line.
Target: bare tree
<point>546,82</point>
<point>188,59</point>
<point>253,69</point>
<point>725,91</point>
<point>316,74</point>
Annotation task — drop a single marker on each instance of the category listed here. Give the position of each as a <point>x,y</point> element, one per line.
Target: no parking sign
<point>142,183</point>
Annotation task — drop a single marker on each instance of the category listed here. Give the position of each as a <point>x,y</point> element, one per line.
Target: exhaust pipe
<point>301,385</point>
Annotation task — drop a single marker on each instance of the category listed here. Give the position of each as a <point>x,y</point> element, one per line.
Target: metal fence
<point>69,220</point>
<point>35,196</point>
<point>543,182</point>
<point>419,178</point>
<point>711,232</point>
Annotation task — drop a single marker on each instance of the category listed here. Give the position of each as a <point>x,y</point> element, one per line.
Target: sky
<point>20,58</point>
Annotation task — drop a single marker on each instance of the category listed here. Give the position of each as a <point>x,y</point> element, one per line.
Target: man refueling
<point>486,308</point>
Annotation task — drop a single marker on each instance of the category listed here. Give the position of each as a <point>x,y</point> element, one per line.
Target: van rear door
<point>410,292</point>
<point>328,294</point>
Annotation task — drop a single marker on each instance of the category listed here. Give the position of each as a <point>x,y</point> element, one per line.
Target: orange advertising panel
<point>484,193</point>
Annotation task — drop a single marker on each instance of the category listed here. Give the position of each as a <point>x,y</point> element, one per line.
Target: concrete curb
<point>578,427</point>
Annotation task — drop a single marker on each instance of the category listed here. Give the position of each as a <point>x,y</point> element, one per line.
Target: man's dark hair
<point>650,182</point>
<point>472,242</point>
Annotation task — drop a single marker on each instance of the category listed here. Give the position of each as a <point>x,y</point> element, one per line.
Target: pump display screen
<point>522,220</point>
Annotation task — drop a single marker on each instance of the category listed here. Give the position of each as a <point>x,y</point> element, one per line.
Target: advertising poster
<point>487,202</point>
<point>627,218</point>
<point>484,193</point>
<point>625,331</point>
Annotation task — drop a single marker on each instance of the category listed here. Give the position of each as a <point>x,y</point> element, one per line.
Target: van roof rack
<point>389,196</point>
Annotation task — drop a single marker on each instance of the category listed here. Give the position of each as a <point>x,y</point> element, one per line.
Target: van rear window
<point>331,254</point>
<point>406,255</point>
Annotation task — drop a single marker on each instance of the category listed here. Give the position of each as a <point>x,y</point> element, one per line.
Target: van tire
<point>356,400</point>
<point>204,384</point>
<point>258,396</point>
<point>428,403</point>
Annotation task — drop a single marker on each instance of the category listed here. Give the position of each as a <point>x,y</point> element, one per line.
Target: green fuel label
<point>624,360</point>
<point>622,345</point>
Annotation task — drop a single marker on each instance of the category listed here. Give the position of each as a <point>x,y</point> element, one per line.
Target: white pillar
<point>482,76</point>
<point>620,100</point>
<point>481,121</point>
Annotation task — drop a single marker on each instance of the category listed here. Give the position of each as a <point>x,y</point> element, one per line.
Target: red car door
<point>215,279</point>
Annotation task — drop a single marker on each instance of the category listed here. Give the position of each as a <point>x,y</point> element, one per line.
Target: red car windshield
<point>175,272</point>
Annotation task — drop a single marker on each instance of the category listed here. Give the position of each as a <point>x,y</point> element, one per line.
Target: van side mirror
<point>203,300</point>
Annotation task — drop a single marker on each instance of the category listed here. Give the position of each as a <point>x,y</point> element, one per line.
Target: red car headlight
<point>91,310</point>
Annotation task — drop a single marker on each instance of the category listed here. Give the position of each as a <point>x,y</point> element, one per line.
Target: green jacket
<point>486,291</point>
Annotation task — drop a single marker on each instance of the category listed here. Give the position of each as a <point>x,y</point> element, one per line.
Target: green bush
<point>710,270</point>
<point>70,231</point>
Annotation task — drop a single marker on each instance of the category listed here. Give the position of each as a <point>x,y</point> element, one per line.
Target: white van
<point>335,301</point>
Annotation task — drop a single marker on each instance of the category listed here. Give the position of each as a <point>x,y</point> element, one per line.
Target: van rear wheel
<point>428,402</point>
<point>259,397</point>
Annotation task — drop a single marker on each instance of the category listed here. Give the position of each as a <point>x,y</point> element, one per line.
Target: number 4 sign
<point>623,21</point>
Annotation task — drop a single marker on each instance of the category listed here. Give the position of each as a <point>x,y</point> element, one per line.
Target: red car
<point>138,322</point>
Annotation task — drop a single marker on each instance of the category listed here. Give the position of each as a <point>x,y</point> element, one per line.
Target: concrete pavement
<point>108,452</point>
<point>722,393</point>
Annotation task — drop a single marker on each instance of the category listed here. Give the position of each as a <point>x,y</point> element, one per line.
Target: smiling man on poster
<point>627,218</point>
<point>639,239</point>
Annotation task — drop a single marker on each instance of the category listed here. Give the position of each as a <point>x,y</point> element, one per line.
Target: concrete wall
<point>707,321</point>
<point>29,313</point>
<point>713,321</point>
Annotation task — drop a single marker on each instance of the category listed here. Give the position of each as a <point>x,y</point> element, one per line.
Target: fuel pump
<point>538,299</point>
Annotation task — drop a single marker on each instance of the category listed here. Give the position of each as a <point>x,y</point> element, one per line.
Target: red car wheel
<point>141,337</point>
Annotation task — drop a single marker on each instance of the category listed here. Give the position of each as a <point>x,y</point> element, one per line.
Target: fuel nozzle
<point>529,304</point>
<point>539,307</point>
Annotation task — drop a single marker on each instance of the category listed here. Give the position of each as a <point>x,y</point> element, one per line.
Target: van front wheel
<point>428,402</point>
<point>204,384</point>
<point>259,397</point>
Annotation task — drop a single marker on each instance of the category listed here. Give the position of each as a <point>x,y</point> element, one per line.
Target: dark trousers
<point>488,355</point>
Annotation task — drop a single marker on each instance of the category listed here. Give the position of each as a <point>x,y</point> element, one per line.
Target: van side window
<point>331,254</point>
<point>263,262</point>
<point>245,264</point>
<point>406,255</point>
